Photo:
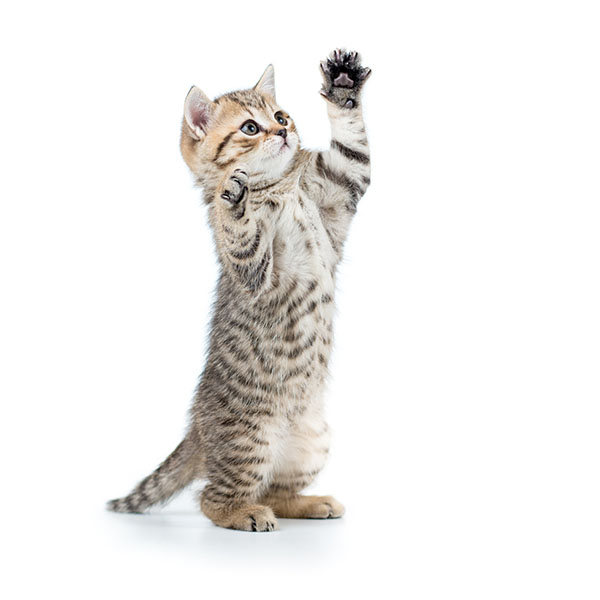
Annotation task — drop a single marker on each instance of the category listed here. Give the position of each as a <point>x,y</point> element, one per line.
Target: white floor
<point>435,549</point>
<point>178,553</point>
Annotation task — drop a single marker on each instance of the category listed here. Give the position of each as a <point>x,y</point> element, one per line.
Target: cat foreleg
<point>244,238</point>
<point>342,174</point>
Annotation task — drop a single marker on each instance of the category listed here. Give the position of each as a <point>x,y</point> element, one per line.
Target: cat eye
<point>249,128</point>
<point>280,118</point>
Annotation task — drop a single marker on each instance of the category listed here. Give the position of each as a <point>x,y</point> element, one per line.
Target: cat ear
<point>197,111</point>
<point>266,84</point>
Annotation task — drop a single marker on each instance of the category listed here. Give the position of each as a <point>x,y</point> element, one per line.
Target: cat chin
<point>277,164</point>
<point>274,165</point>
<point>286,152</point>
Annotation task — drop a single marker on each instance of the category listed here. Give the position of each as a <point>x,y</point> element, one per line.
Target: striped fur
<point>280,215</point>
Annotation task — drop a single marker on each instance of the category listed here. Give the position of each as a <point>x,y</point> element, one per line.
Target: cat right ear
<point>197,112</point>
<point>266,83</point>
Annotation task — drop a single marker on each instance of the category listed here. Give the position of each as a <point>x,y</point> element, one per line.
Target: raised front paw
<point>343,78</point>
<point>235,186</point>
<point>233,191</point>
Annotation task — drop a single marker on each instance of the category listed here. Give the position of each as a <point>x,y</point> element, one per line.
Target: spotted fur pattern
<point>280,215</point>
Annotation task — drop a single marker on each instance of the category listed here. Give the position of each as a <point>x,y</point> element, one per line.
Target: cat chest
<point>302,247</point>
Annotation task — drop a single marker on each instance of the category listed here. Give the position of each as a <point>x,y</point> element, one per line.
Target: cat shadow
<point>188,531</point>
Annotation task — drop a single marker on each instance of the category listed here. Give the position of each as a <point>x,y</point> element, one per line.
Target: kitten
<point>280,215</point>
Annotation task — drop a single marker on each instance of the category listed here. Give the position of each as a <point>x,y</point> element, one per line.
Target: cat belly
<point>300,447</point>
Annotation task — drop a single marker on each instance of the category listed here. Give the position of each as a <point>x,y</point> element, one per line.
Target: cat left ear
<point>266,84</point>
<point>198,111</point>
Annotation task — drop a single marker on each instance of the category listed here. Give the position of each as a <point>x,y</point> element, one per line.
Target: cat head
<point>246,126</point>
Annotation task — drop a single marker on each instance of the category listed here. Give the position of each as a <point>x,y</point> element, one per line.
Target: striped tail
<point>178,470</point>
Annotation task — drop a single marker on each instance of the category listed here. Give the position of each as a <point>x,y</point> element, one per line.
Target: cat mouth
<point>285,146</point>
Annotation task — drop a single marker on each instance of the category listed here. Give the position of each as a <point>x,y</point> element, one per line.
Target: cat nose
<point>282,133</point>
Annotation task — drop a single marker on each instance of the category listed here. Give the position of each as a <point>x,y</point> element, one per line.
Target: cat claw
<point>236,187</point>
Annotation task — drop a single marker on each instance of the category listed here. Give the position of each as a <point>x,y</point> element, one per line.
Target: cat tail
<point>179,469</point>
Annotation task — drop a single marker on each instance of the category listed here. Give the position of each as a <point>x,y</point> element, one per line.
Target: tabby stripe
<point>227,162</point>
<point>232,345</point>
<point>298,300</point>
<point>238,101</point>
<point>235,422</point>
<point>294,320</point>
<point>252,250</point>
<point>278,352</point>
<point>249,382</point>
<point>248,460</point>
<point>240,241</point>
<point>332,241</point>
<point>266,312</point>
<point>223,144</point>
<point>235,475</point>
<point>241,447</point>
<point>305,367</point>
<point>294,482</point>
<point>266,363</point>
<point>280,298</point>
<point>298,484</point>
<point>244,240</point>
<point>227,478</point>
<point>234,342</point>
<point>282,487</point>
<point>244,397</point>
<point>271,308</point>
<point>262,271</point>
<point>337,178</point>
<point>142,497</point>
<point>252,337</point>
<point>211,494</point>
<point>292,336</point>
<point>254,275</point>
<point>264,187</point>
<point>257,441</point>
<point>298,350</point>
<point>350,154</point>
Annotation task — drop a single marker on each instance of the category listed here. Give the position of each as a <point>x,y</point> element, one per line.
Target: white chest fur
<point>304,252</point>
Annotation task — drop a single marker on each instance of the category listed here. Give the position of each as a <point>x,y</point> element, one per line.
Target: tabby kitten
<point>280,215</point>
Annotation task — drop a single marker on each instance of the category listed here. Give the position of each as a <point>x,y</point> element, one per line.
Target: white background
<point>465,384</point>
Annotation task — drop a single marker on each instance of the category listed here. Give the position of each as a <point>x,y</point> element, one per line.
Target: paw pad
<point>343,78</point>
